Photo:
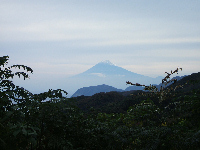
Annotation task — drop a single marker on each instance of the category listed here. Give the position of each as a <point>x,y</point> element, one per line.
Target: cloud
<point>57,69</point>
<point>81,34</point>
<point>92,27</point>
<point>144,41</point>
<point>154,69</point>
<point>99,74</point>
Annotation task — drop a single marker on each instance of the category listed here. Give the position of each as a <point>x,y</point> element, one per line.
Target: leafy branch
<point>162,93</point>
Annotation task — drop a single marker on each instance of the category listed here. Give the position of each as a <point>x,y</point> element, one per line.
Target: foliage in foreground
<point>166,120</point>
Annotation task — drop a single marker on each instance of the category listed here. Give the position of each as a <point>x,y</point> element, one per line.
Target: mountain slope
<point>190,82</point>
<point>107,73</point>
<point>106,68</point>
<point>89,91</point>
<point>119,102</point>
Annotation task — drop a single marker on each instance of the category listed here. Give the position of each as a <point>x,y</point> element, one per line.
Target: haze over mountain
<point>107,73</point>
<point>89,91</point>
<point>103,72</point>
<point>106,70</point>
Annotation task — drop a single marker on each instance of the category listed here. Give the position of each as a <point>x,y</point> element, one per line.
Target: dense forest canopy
<point>159,119</point>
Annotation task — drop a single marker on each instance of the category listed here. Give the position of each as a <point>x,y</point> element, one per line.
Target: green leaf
<point>24,131</point>
<point>15,133</point>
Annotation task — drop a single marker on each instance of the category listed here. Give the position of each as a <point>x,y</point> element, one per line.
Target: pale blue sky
<point>62,38</point>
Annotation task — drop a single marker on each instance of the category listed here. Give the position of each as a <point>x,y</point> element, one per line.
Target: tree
<point>19,108</point>
<point>9,93</point>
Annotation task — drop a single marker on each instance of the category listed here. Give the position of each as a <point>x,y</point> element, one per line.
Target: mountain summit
<point>107,69</point>
<point>107,73</point>
<point>106,62</point>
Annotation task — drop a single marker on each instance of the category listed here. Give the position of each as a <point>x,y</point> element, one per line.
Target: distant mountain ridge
<point>119,102</point>
<point>91,90</point>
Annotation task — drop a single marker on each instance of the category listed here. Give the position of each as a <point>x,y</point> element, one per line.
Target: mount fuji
<point>108,73</point>
<point>106,69</point>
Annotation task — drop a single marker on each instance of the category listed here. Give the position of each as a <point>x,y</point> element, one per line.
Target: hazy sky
<point>66,37</point>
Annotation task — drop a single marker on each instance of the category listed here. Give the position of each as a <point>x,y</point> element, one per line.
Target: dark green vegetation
<point>91,90</point>
<point>160,119</point>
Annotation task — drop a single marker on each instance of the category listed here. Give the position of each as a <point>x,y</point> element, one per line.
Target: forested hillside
<point>167,118</point>
<point>89,91</point>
